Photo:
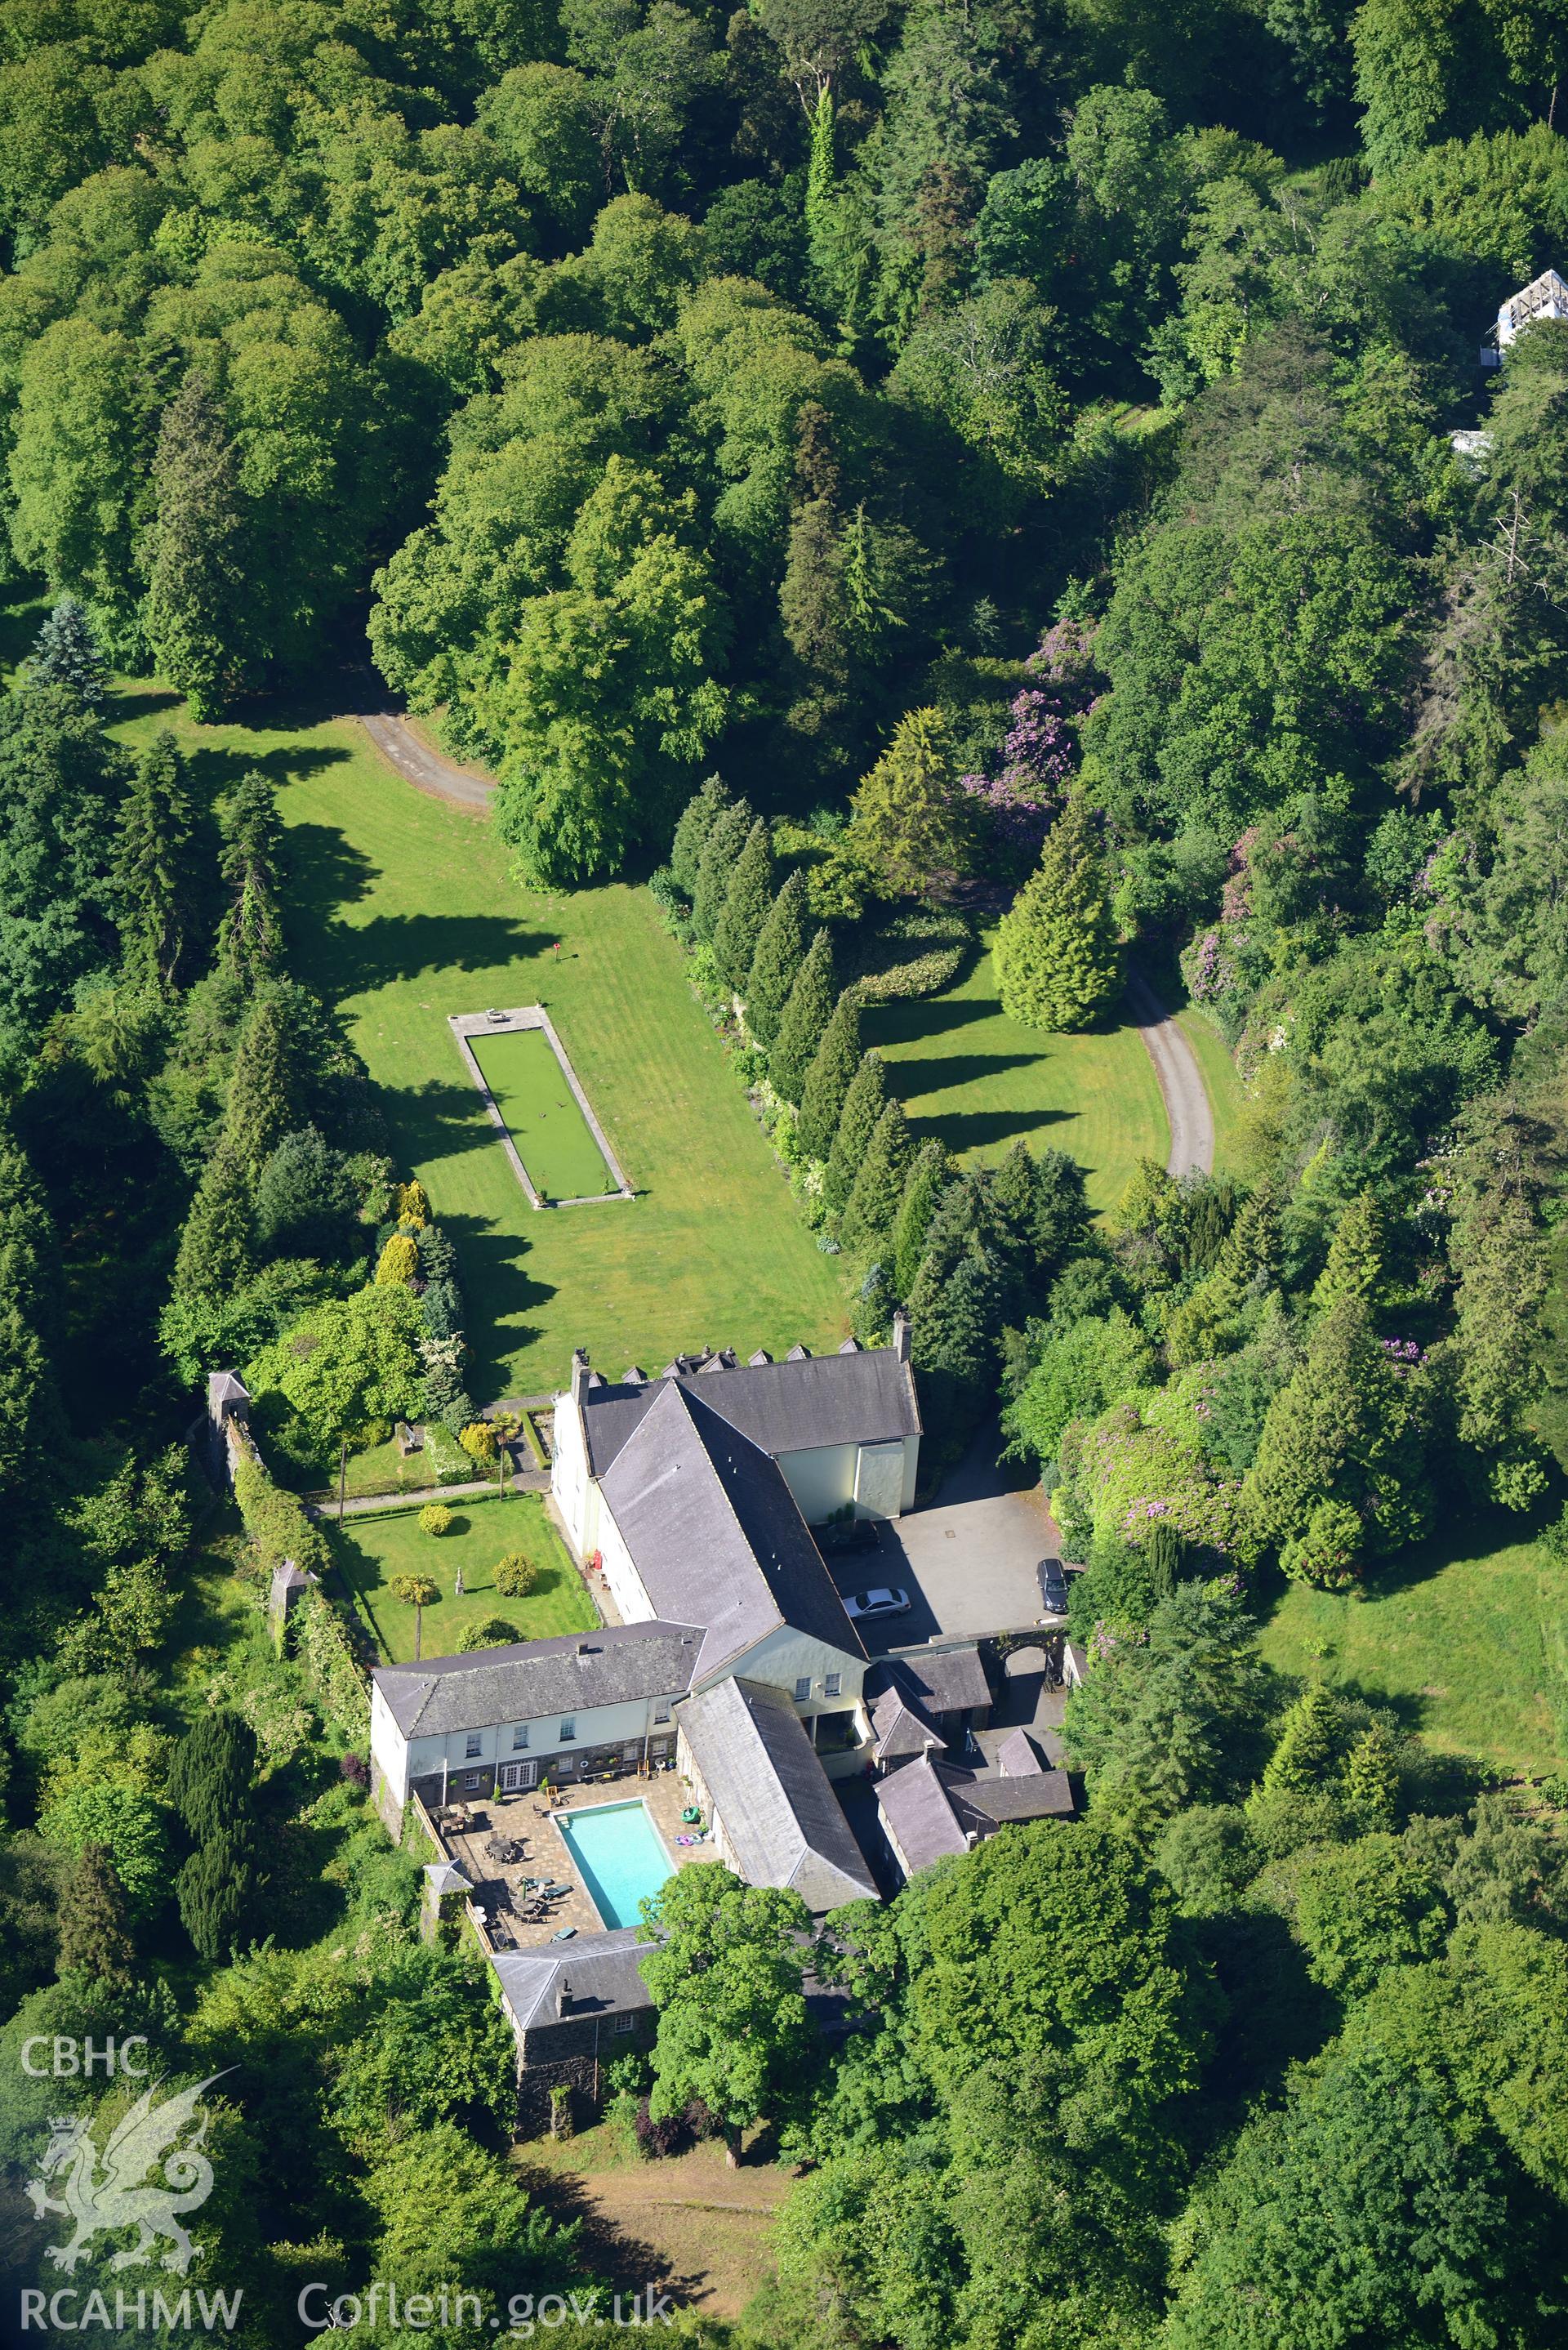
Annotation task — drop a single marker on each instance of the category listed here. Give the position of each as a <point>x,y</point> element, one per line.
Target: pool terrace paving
<point>498,1887</point>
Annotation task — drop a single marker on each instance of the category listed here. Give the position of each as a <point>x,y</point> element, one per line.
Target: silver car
<point>868,1604</point>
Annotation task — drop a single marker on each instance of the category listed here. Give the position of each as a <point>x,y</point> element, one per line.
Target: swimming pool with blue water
<point>620,1857</point>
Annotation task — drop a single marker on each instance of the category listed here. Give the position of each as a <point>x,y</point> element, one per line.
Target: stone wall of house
<point>563,2053</point>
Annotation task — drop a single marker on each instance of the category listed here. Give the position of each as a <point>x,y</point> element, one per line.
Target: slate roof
<point>1018,1757</point>
<point>901,1729</point>
<point>1044,1795</point>
<point>599,1971</point>
<point>781,1819</point>
<point>715,1533</point>
<point>864,1398</point>
<point>910,1696</point>
<point>932,1809</point>
<point>616,1664</point>
<point>448,1876</point>
<point>916,1810</point>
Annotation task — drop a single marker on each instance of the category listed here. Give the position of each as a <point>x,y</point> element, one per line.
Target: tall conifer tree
<point>745,909</point>
<point>263,1100</point>
<point>697,817</point>
<point>781,950</point>
<point>155,876</point>
<point>830,1076</point>
<point>716,867</point>
<point>30,1415</point>
<point>250,936</point>
<point>198,599</point>
<point>66,653</point>
<point>804,1018</point>
<point>217,1253</point>
<point>872,1210</point>
<point>927,1181</point>
<point>95,1933</point>
<point>863,1105</point>
<point>1058,964</point>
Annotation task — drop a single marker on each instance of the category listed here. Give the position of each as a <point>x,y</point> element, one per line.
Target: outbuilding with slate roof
<point>573,2006</point>
<point>774,1815</point>
<point>930,1809</point>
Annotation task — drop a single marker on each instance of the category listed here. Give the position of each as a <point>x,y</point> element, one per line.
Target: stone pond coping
<point>464,1024</point>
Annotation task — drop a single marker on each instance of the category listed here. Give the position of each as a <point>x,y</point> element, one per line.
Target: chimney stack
<point>901,1335</point>
<point>579,1373</point>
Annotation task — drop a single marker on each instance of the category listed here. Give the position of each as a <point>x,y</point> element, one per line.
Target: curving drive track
<point>1187,1106</point>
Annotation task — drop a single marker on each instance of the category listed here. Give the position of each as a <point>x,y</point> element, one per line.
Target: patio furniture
<point>691,1814</point>
<point>563,1933</point>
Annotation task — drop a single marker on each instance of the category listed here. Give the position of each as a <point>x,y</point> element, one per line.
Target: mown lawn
<point>368,1551</point>
<point>1469,1643</point>
<point>402,910</point>
<point>967,1073</point>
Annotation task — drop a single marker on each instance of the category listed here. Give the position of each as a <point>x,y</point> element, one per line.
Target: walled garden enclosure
<point>367,1551</point>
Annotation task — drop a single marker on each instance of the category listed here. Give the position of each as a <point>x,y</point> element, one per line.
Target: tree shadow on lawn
<point>393,947</point>
<point>912,1024</point>
<point>445,1118</point>
<point>974,1129</point>
<point>140,701</point>
<point>911,1079</point>
<point>497,1295</point>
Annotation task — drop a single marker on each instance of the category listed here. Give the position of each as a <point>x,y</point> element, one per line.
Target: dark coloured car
<point>1052,1586</point>
<point>849,1534</point>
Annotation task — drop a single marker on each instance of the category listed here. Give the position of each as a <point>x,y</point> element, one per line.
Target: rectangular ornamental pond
<point>542,1114</point>
<point>619,1855</point>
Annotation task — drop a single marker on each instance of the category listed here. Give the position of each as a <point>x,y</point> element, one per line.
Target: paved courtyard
<point>967,1562</point>
<point>527,1820</point>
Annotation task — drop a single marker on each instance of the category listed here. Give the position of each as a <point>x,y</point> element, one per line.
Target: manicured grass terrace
<point>367,1553</point>
<point>401,911</point>
<point>964,1071</point>
<point>553,1139</point>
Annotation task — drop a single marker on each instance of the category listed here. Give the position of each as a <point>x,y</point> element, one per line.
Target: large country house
<point>734,1663</point>
<point>692,1492</point>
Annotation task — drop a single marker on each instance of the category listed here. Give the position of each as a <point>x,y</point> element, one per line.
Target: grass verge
<point>1464,1640</point>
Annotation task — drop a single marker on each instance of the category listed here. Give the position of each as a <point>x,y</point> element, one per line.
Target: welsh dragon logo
<point>118,2195</point>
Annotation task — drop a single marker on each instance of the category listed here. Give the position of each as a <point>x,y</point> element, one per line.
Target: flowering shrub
<point>1063,661</point>
<point>1140,1464</point>
<point>1026,790</point>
